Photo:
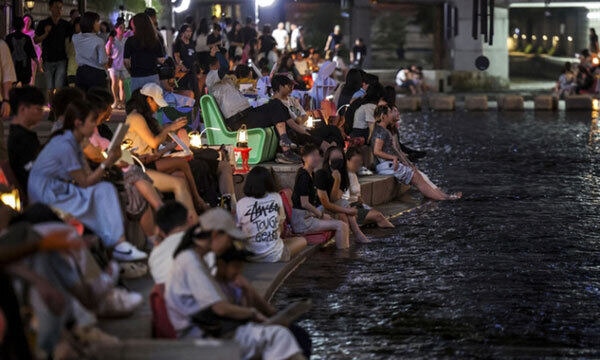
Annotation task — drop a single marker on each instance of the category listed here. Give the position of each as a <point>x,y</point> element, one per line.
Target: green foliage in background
<point>528,49</point>
<point>389,31</point>
<point>319,24</point>
<point>425,18</point>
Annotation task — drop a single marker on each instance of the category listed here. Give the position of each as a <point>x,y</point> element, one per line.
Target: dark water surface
<point>513,270</point>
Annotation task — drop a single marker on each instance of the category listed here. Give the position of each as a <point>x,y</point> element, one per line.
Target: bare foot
<point>455,196</point>
<point>362,239</point>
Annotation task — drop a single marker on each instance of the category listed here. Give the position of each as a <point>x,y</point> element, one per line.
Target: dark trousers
<point>303,339</point>
<point>328,133</point>
<point>14,345</point>
<point>88,77</point>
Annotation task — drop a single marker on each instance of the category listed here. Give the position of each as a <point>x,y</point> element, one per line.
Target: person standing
<point>51,33</point>
<point>142,53</point>
<point>248,32</point>
<point>90,53</point>
<point>593,41</point>
<point>334,40</point>
<point>184,53</point>
<point>281,37</point>
<point>29,31</point>
<point>7,78</point>
<point>23,52</point>
<point>358,53</point>
<point>115,48</point>
<point>297,38</point>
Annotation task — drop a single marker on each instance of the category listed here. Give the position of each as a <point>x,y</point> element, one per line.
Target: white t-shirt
<point>161,257</point>
<point>353,192</point>
<point>364,115</point>
<point>280,36</point>
<point>190,289</point>
<point>293,105</point>
<point>294,39</point>
<point>260,219</point>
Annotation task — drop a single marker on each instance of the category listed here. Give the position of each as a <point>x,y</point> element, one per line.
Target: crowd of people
<point>72,242</point>
<point>581,78</point>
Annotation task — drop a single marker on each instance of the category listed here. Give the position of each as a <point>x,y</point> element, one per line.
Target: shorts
<point>118,74</point>
<point>363,210</point>
<point>404,174</point>
<point>341,203</point>
<point>286,254</point>
<point>303,221</point>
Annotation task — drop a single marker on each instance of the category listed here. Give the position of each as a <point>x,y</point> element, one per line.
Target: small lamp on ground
<point>195,139</point>
<point>242,148</point>
<point>310,122</point>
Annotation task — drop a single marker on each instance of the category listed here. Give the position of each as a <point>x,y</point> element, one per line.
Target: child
<point>261,215</point>
<point>366,214</point>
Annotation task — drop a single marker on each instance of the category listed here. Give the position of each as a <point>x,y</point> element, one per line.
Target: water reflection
<point>513,270</point>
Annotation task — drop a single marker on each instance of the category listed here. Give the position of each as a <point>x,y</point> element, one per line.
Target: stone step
<point>510,103</point>
<point>408,103</point>
<point>442,102</point>
<point>579,102</point>
<point>545,102</point>
<point>476,102</point>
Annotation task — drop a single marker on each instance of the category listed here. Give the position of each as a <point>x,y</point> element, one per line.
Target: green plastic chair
<point>127,87</point>
<point>262,141</point>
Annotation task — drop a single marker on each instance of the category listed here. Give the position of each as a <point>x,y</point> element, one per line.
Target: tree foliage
<point>389,31</point>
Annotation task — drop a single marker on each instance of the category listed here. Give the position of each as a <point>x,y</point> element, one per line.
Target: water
<point>512,270</point>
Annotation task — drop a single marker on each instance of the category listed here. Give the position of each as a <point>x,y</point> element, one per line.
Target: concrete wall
<point>464,49</point>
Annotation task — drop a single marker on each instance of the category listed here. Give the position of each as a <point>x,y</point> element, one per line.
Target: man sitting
<point>23,147</point>
<point>181,98</point>
<point>237,112</point>
<point>172,221</point>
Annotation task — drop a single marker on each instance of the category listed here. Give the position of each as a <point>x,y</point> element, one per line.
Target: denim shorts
<point>404,174</point>
<point>139,82</point>
<point>118,74</point>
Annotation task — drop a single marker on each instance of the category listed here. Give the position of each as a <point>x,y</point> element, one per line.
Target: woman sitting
<point>261,215</point>
<point>331,181</point>
<point>308,215</point>
<point>391,161</point>
<point>365,214</point>
<point>145,143</point>
<point>361,113</point>
<point>61,178</point>
<point>566,82</point>
<point>138,189</point>
<point>147,135</point>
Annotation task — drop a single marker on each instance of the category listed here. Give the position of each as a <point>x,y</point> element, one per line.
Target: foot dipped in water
<point>362,239</point>
<point>455,196</point>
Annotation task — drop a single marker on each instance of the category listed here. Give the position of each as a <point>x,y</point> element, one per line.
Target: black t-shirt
<point>53,46</point>
<point>269,114</point>
<point>23,147</point>
<point>304,186</point>
<point>359,49</point>
<point>267,43</point>
<point>187,53</point>
<point>248,33</point>
<point>213,38</point>
<point>143,61</point>
<point>324,181</point>
<point>336,39</point>
<point>22,50</point>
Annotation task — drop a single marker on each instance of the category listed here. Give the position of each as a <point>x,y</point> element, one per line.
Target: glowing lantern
<point>11,199</point>
<point>595,61</point>
<point>195,139</point>
<point>310,122</point>
<point>595,105</point>
<point>242,137</point>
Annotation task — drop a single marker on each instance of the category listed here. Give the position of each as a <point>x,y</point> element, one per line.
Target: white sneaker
<point>119,303</point>
<point>364,172</point>
<point>127,252</point>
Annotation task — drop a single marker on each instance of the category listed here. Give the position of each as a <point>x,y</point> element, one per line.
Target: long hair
<point>144,32</point>
<point>345,181</point>
<point>373,95</point>
<point>139,103</point>
<point>354,82</point>
<point>183,28</point>
<point>202,27</point>
<point>78,109</point>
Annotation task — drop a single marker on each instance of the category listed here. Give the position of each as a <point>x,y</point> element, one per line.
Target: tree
<point>389,32</point>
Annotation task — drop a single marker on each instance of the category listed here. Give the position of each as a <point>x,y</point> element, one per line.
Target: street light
<point>30,4</point>
<point>261,3</point>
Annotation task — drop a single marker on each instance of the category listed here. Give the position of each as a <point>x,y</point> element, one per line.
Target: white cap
<point>155,92</point>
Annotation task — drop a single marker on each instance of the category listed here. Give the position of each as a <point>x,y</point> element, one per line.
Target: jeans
<point>139,82</point>
<point>55,72</point>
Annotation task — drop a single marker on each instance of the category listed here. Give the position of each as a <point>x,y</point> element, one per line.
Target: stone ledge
<point>408,103</point>
<point>510,103</point>
<point>545,102</point>
<point>579,102</point>
<point>476,102</point>
<point>442,102</point>
<point>171,349</point>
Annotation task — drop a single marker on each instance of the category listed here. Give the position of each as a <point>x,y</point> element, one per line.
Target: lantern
<point>11,198</point>
<point>310,122</point>
<point>595,105</point>
<point>195,139</point>
<point>30,4</point>
<point>242,137</point>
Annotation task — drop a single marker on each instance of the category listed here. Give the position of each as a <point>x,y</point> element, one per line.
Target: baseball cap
<point>155,92</point>
<point>220,220</point>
